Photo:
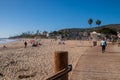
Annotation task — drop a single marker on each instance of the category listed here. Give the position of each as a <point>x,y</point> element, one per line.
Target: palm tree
<point>90,21</point>
<point>98,22</point>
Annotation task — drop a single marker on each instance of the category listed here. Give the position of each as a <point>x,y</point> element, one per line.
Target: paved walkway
<point>94,65</point>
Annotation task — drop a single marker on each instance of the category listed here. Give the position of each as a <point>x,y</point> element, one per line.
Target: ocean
<point>5,40</point>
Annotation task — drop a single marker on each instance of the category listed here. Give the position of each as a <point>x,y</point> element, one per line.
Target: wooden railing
<point>61,68</point>
<point>60,73</point>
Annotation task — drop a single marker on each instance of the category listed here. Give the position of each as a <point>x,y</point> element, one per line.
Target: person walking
<point>103,45</point>
<point>25,43</point>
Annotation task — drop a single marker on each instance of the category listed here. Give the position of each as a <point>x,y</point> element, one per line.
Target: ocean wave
<point>3,41</point>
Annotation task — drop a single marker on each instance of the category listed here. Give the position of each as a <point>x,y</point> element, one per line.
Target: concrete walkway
<point>95,65</point>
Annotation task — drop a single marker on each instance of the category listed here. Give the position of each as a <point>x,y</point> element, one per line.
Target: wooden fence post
<point>61,62</point>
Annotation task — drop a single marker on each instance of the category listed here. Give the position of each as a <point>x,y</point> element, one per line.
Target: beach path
<point>95,65</point>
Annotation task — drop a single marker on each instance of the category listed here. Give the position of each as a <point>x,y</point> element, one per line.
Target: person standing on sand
<point>4,46</point>
<point>25,43</point>
<point>103,45</point>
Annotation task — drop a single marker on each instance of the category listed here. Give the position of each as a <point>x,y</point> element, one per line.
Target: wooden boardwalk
<point>94,65</point>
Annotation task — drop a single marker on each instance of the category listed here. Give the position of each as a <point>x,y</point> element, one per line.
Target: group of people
<point>34,44</point>
<point>103,44</point>
<point>60,41</point>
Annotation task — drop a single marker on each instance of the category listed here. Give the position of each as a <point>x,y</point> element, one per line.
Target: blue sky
<point>17,16</point>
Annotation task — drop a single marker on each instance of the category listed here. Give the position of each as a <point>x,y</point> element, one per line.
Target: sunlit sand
<point>36,62</point>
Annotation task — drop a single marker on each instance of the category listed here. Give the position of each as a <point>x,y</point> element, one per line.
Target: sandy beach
<point>37,62</point>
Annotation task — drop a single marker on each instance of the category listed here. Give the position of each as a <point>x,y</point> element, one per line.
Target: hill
<point>115,27</point>
<point>73,33</point>
<point>80,33</point>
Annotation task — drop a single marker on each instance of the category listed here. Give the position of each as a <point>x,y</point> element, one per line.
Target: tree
<point>98,22</point>
<point>108,32</point>
<point>90,21</point>
<point>45,33</point>
<point>37,32</point>
<point>54,33</point>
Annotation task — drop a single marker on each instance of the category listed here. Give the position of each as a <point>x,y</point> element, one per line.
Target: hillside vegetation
<point>72,33</point>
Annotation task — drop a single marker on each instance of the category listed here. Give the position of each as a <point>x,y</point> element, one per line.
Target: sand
<point>36,63</point>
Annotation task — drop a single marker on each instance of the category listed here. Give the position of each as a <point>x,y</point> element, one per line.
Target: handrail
<point>60,73</point>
